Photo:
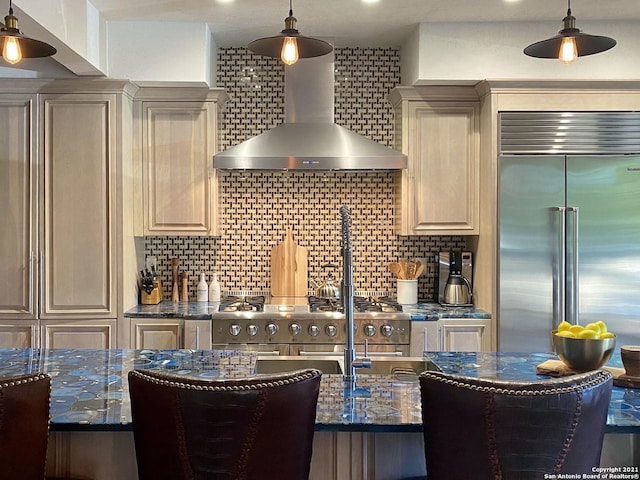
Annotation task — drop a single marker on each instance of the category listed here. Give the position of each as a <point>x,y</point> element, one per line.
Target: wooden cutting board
<point>289,269</point>
<point>555,368</point>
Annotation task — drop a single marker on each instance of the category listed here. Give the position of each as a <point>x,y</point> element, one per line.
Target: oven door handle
<point>304,353</point>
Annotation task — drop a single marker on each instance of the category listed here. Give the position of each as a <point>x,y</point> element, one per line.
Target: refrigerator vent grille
<point>570,132</point>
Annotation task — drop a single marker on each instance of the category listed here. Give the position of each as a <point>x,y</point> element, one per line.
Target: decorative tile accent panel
<point>256,208</point>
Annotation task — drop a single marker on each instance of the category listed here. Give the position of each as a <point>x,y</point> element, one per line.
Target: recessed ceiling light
<point>370,1</point>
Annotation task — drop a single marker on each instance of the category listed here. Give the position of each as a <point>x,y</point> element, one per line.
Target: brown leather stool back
<point>24,426</point>
<point>484,429</point>
<point>255,428</point>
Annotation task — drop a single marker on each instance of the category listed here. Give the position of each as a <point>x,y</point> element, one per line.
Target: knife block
<point>155,297</point>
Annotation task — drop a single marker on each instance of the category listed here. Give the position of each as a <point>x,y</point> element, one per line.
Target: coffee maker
<point>455,278</point>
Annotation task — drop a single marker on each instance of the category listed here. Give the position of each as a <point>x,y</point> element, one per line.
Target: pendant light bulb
<point>568,50</point>
<point>289,53</point>
<point>11,51</point>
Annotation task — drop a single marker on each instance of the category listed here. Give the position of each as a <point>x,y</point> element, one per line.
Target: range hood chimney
<point>309,139</point>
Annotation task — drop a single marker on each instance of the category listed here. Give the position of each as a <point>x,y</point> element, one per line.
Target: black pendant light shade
<point>583,43</point>
<point>15,46</point>
<point>305,47</point>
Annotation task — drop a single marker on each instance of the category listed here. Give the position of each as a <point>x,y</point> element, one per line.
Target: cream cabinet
<point>438,129</point>
<point>157,333</point>
<point>450,335</point>
<point>197,334</point>
<point>19,175</point>
<point>78,236</point>
<point>176,129</point>
<point>464,335</point>
<point>61,172</point>
<point>78,333</point>
<point>19,333</point>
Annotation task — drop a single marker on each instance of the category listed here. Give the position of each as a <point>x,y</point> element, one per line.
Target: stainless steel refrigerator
<point>569,240</point>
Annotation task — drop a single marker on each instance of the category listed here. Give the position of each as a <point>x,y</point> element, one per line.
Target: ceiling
<point>385,23</point>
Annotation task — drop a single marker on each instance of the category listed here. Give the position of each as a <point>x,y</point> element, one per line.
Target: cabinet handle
<point>40,281</point>
<point>31,280</point>
<point>197,337</point>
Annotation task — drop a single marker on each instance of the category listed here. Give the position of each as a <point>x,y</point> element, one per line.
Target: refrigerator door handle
<point>559,292</point>
<point>574,278</point>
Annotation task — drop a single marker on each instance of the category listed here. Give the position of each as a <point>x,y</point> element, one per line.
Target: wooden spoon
<point>396,268</point>
<point>419,270</point>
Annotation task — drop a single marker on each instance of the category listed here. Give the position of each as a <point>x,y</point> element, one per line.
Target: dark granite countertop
<point>90,389</point>
<point>205,311</point>
<point>435,311</point>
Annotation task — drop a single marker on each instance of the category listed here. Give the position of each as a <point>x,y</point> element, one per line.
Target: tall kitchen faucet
<point>351,363</point>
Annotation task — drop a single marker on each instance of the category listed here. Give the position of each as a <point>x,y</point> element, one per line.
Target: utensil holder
<point>407,292</point>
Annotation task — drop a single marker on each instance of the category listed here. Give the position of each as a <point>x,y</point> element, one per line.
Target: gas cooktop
<point>242,301</point>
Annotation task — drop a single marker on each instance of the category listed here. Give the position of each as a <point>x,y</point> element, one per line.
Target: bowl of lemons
<point>584,348</point>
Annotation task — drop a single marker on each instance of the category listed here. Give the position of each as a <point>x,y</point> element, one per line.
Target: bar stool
<point>24,426</point>
<point>490,429</point>
<point>254,428</point>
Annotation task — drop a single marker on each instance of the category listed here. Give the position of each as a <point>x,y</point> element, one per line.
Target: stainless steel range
<point>313,326</point>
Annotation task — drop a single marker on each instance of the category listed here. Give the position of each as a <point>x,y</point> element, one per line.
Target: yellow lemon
<point>607,335</point>
<point>564,325</point>
<point>588,333</point>
<point>576,329</point>
<point>602,325</point>
<point>566,333</point>
<point>593,326</point>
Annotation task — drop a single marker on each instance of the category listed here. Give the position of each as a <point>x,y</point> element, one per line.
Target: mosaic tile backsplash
<point>256,208</point>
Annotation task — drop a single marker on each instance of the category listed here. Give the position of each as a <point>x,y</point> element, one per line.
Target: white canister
<point>407,292</point>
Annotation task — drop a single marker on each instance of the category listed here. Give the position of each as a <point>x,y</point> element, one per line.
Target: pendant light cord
<point>291,8</point>
<point>569,8</point>
<point>10,8</point>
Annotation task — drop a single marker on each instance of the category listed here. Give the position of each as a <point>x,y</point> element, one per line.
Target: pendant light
<point>15,46</point>
<point>570,43</point>
<point>290,45</point>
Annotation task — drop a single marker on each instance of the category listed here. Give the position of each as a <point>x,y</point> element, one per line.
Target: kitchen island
<point>371,429</point>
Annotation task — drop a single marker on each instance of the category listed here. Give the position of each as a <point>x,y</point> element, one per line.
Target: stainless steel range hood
<point>309,139</point>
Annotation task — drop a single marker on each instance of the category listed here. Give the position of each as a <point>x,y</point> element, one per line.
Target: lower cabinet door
<point>157,334</point>
<point>19,334</point>
<point>96,334</point>
<point>464,335</point>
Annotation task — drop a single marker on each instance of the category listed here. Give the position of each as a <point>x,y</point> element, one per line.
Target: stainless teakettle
<point>328,288</point>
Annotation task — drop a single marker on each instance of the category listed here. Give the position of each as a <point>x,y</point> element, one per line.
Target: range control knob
<point>252,330</point>
<point>272,328</point>
<point>331,330</point>
<point>314,330</point>
<point>295,328</point>
<point>235,330</point>
<point>369,330</point>
<point>386,330</point>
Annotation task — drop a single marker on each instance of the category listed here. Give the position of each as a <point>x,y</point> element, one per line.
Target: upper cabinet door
<point>438,129</point>
<point>18,177</point>
<point>444,159</point>
<point>177,157</point>
<point>78,238</point>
